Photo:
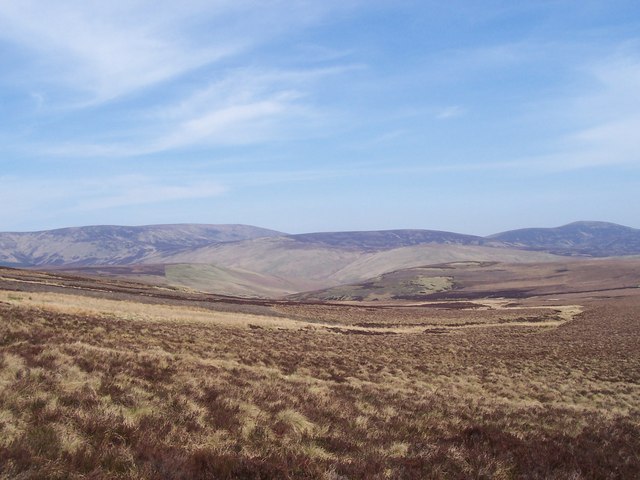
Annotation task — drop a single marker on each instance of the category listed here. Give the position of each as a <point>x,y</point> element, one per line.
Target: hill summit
<point>595,239</point>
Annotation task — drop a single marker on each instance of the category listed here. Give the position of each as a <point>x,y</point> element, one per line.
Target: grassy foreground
<point>92,388</point>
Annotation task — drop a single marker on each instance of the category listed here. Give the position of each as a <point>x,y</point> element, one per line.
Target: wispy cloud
<point>104,50</point>
<point>84,55</point>
<point>453,111</point>
<point>242,85</point>
<point>245,107</point>
<point>604,116</point>
<point>235,125</point>
<point>125,191</point>
<point>89,194</point>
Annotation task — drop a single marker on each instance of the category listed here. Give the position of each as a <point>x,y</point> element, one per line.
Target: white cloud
<point>242,124</point>
<point>91,195</point>
<point>453,111</point>
<point>606,118</point>
<point>139,190</point>
<point>244,107</point>
<point>88,53</point>
<point>104,50</point>
<point>248,84</point>
<point>236,124</point>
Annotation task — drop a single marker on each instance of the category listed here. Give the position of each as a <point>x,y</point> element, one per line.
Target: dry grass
<point>97,388</point>
<point>136,311</point>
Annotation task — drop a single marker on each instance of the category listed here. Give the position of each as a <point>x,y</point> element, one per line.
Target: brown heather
<point>114,388</point>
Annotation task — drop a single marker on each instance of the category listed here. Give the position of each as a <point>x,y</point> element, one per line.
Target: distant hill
<point>595,239</point>
<point>387,239</point>
<point>120,245</point>
<point>115,245</point>
<point>247,260</point>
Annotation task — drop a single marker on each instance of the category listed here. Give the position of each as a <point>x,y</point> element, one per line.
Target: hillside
<point>316,265</point>
<point>387,239</point>
<point>224,281</point>
<point>586,278</point>
<point>115,245</point>
<point>596,239</point>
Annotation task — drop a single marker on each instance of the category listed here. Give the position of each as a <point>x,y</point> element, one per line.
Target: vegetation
<point>386,287</point>
<point>96,387</point>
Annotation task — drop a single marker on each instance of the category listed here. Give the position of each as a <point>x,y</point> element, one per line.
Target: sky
<point>309,115</point>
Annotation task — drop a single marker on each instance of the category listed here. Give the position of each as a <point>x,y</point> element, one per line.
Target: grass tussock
<point>86,393</point>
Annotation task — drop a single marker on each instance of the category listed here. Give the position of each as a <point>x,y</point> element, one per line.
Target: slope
<point>114,245</point>
<point>387,239</point>
<point>585,278</point>
<point>598,239</point>
<point>315,265</point>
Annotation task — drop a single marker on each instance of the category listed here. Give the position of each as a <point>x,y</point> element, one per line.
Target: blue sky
<point>302,116</point>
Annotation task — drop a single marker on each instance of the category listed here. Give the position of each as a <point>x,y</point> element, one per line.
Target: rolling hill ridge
<point>122,245</point>
<point>251,261</point>
<point>594,239</point>
<point>387,239</point>
<point>114,245</point>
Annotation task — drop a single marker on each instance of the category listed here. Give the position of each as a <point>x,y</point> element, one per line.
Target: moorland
<point>468,369</point>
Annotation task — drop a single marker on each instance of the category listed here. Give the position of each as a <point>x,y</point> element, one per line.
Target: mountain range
<point>247,260</point>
